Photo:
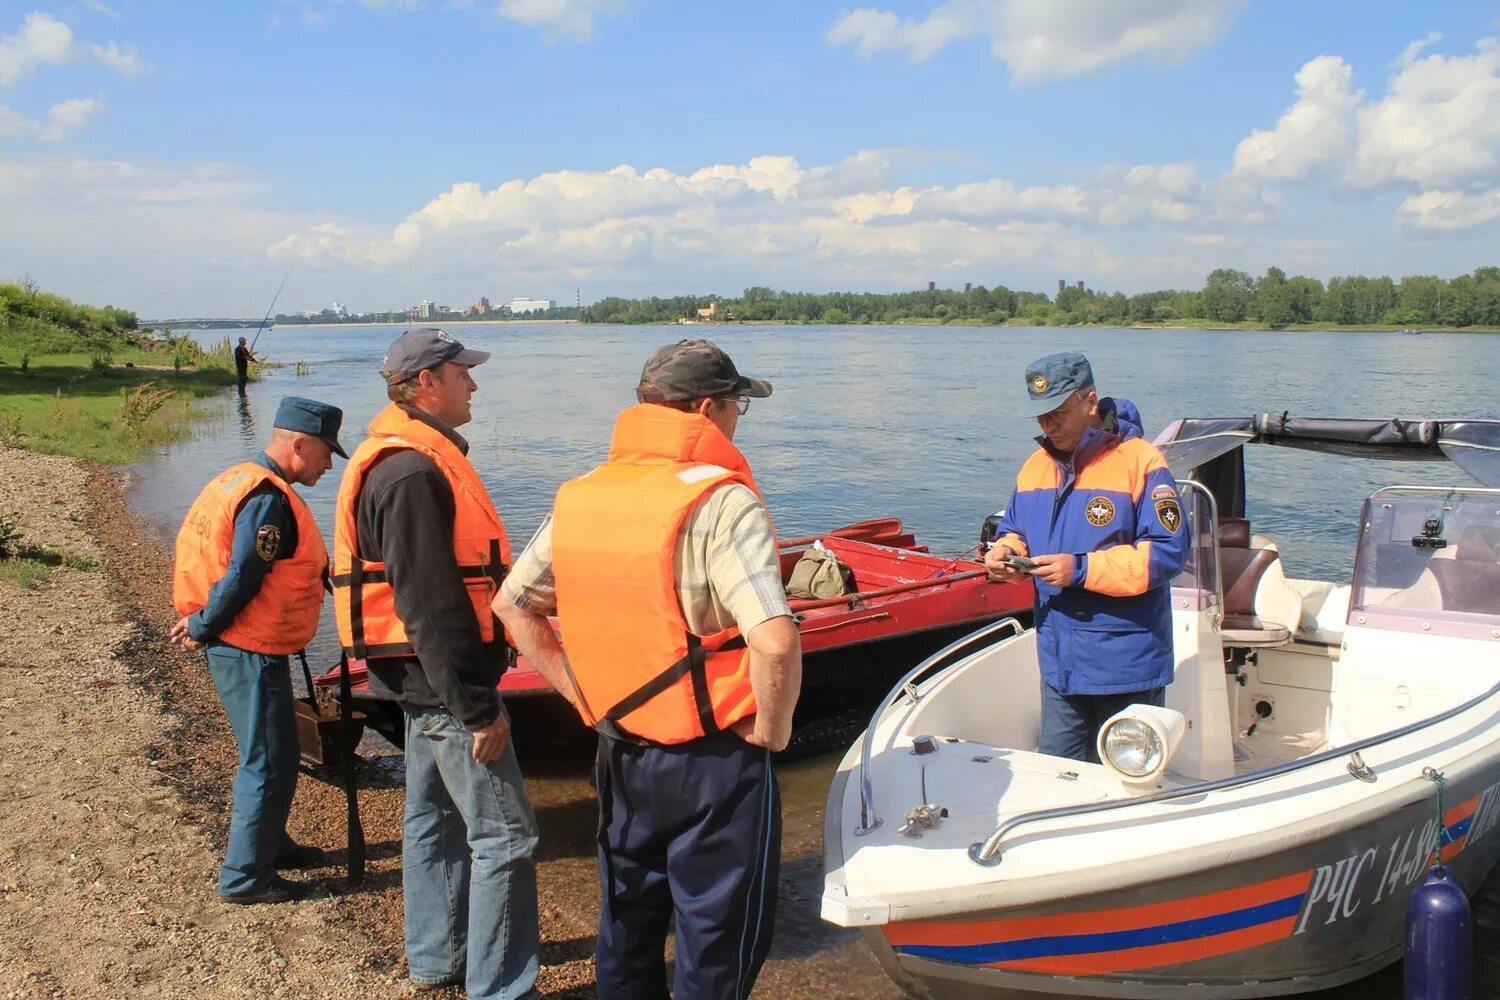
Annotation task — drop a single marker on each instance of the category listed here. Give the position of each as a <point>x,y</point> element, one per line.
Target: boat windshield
<point>1428,553</point>
<point>1199,580</point>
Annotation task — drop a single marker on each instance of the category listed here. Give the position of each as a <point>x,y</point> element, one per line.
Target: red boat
<point>907,600</point>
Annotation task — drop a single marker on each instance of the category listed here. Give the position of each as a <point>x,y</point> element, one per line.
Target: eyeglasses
<point>741,403</point>
<point>1052,416</point>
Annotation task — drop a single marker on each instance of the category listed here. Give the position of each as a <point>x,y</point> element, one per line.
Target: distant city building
<point>710,311</point>
<point>339,310</point>
<point>426,310</point>
<point>523,305</point>
<point>482,307</point>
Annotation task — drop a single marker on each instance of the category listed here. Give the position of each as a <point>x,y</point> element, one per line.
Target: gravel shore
<point>115,767</point>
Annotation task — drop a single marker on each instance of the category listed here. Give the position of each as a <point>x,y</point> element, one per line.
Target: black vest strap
<point>694,664</point>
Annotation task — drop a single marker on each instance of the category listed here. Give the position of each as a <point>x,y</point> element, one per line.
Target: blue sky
<point>180,158</point>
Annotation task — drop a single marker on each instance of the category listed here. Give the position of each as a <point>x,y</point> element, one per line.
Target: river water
<point>924,423</point>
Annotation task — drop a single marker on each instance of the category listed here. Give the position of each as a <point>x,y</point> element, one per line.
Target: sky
<point>183,158</point>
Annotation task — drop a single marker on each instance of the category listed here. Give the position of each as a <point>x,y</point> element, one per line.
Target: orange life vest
<point>283,617</point>
<point>363,602</point>
<point>642,674</point>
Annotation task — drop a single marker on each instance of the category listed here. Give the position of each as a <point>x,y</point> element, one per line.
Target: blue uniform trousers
<point>256,691</point>
<point>1071,722</point>
<point>691,831</point>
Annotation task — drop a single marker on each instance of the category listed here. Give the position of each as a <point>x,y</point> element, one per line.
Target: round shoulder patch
<point>1099,511</point>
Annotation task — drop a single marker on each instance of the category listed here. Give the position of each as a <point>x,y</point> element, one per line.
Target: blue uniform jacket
<point>1113,504</point>
<point>265,507</point>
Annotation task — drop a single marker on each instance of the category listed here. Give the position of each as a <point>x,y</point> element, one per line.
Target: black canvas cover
<point>1473,445</point>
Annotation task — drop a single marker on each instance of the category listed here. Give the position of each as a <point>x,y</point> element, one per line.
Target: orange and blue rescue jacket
<point>1113,505</point>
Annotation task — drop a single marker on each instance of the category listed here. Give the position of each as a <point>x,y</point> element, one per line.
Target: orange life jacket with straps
<point>364,603</point>
<point>642,675</point>
<point>283,617</point>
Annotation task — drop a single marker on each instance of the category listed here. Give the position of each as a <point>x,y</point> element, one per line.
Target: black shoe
<point>278,890</point>
<point>304,856</point>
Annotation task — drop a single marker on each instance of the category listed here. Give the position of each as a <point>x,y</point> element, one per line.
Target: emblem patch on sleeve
<point>1099,511</point>
<point>1169,514</point>
<point>267,541</point>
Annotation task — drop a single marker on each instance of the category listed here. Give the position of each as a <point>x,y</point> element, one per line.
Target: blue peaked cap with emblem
<point>1051,380</point>
<point>309,416</point>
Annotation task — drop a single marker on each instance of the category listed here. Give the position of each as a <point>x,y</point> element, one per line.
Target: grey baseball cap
<point>418,350</point>
<point>692,369</point>
<point>1051,380</point>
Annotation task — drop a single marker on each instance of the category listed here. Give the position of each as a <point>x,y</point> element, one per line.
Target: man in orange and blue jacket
<point>1095,521</point>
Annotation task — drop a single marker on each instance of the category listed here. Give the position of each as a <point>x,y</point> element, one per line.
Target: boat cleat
<point>924,817</point>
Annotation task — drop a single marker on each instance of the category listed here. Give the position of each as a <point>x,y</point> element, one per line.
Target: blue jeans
<point>256,691</point>
<point>1071,722</point>
<point>467,870</point>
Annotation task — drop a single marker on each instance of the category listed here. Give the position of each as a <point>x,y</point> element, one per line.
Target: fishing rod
<point>269,308</point>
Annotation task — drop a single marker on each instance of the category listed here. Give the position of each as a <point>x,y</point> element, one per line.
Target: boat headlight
<point>1138,743</point>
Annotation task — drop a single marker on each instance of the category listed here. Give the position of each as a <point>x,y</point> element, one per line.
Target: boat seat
<point>1260,607</point>
<point>1471,585</point>
<point>1234,533</point>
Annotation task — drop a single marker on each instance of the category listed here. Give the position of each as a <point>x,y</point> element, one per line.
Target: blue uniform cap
<point>312,417</point>
<point>1051,380</point>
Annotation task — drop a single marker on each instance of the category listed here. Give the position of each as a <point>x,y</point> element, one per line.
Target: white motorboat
<point>1259,836</point>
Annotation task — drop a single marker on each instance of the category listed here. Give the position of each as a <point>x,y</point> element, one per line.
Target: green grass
<point>63,405</point>
<point>32,566</point>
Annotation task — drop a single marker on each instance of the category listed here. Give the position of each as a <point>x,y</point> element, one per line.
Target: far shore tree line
<point>1228,297</point>
<point>390,316</point>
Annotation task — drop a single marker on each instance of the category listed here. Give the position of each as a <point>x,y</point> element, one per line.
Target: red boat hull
<point>902,591</point>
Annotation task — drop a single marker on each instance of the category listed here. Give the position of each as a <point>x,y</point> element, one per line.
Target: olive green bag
<point>819,574</point>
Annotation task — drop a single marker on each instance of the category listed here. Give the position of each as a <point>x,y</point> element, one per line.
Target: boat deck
<point>1267,748</point>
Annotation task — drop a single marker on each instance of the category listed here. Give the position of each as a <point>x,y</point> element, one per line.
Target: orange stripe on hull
<point>1099,963</point>
<point>1129,918</point>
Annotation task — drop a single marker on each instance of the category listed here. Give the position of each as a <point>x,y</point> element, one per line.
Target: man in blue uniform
<point>1096,516</point>
<point>248,582</point>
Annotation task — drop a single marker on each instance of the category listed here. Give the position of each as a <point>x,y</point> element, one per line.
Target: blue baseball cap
<point>1051,380</point>
<point>309,416</point>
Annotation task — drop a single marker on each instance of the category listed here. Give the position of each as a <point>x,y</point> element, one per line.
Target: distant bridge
<point>202,324</point>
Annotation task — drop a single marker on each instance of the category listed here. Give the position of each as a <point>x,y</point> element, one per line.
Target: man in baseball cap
<point>422,350</point>
<point>1095,522</point>
<point>694,369</point>
<point>683,652</point>
<point>418,553</point>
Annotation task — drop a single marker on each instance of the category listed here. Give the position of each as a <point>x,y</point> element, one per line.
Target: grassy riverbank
<point>83,381</point>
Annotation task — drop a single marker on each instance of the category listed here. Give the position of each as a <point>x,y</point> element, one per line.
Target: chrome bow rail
<point>987,852</point>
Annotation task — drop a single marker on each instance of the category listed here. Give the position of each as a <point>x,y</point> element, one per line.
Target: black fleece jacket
<point>404,516</point>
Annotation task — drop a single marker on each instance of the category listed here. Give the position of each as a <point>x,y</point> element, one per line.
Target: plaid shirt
<point>725,563</point>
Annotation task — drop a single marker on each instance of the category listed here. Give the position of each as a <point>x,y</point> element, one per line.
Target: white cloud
<point>63,118</point>
<point>1314,135</point>
<point>1446,211</point>
<point>1437,126</point>
<point>1043,39</point>
<point>852,223</point>
<point>149,237</point>
<point>124,60</point>
<point>562,19</point>
<point>104,9</point>
<point>1435,129</point>
<point>43,40</point>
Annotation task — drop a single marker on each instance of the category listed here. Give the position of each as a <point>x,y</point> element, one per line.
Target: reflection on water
<point>920,422</point>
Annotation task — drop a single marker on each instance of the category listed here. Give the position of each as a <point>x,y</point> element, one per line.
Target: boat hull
<point>1325,913</point>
